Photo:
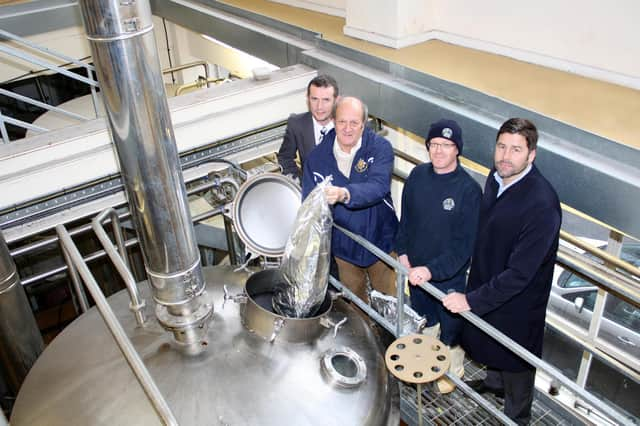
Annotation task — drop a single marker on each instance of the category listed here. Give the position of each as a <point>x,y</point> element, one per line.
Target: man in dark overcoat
<point>512,267</point>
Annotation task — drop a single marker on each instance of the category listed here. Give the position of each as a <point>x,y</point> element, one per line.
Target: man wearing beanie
<point>440,205</point>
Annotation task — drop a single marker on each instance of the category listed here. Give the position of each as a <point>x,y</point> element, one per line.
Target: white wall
<point>588,37</point>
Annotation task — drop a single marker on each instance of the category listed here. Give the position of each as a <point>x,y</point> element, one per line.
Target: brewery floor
<point>458,409</point>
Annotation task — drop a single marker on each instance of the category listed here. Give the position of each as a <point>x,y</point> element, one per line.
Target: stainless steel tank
<point>260,369</point>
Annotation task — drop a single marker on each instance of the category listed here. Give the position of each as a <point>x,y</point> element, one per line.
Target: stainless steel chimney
<point>121,36</point>
<point>20,339</point>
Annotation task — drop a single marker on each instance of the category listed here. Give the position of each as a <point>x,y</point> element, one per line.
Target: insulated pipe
<point>20,339</point>
<point>120,33</point>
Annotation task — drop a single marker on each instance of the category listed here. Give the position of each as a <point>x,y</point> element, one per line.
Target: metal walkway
<point>456,408</point>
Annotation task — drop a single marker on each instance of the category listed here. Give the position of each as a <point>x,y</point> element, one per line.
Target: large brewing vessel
<point>216,352</point>
<point>326,372</point>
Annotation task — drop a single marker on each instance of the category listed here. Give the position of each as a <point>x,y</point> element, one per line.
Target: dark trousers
<point>427,305</point>
<point>518,392</point>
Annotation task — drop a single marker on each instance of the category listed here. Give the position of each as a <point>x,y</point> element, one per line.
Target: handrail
<point>126,347</point>
<point>19,123</point>
<point>607,257</point>
<point>43,49</point>
<point>605,278</point>
<point>496,334</point>
<point>348,294</point>
<point>566,236</point>
<point>120,260</point>
<point>42,105</point>
<point>47,65</point>
<point>197,83</point>
<point>190,65</point>
<point>30,58</point>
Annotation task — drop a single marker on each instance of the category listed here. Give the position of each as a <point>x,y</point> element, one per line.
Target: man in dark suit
<point>511,268</point>
<point>306,130</point>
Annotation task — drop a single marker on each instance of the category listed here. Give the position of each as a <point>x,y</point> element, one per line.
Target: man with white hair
<point>361,164</point>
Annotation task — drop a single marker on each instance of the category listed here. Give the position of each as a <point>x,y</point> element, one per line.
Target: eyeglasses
<point>443,146</point>
<point>352,124</point>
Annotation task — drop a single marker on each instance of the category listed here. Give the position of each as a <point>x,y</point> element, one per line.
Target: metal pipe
<point>20,339</point>
<point>496,334</point>
<point>400,279</point>
<point>119,260</point>
<point>124,51</point>
<point>186,86</point>
<point>190,65</point>
<point>97,254</point>
<point>121,216</point>
<point>90,258</point>
<point>75,281</point>
<point>124,344</point>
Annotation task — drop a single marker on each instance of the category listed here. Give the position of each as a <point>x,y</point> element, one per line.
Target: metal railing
<point>496,334</point>
<point>25,56</point>
<point>119,258</point>
<point>124,344</point>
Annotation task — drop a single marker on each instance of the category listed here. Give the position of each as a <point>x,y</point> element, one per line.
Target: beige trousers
<point>381,276</point>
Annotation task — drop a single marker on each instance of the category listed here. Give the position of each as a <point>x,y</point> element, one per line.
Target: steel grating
<point>458,409</point>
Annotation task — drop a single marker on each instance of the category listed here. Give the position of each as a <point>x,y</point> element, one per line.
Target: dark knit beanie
<point>447,129</point>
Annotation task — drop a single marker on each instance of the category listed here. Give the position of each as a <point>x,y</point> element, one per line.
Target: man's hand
<point>456,302</point>
<point>419,275</point>
<point>404,261</point>
<point>336,194</point>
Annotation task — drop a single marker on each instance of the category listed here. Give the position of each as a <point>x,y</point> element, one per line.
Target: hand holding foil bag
<point>305,264</point>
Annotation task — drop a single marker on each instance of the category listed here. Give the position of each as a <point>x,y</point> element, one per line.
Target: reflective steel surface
<point>264,212</point>
<point>20,339</point>
<point>82,379</point>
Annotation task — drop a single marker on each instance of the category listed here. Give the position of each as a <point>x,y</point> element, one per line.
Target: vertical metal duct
<point>121,36</point>
<point>20,339</point>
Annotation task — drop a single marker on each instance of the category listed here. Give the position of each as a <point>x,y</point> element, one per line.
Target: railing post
<point>3,129</point>
<point>400,280</point>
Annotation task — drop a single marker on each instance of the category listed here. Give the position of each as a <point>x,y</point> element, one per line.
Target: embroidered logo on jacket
<point>361,166</point>
<point>447,132</point>
<point>448,204</point>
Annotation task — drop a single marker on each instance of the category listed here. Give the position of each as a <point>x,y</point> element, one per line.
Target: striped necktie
<point>323,132</point>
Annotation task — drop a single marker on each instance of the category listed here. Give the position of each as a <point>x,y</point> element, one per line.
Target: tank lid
<point>264,212</point>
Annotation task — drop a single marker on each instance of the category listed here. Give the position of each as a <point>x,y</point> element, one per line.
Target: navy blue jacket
<point>438,224</point>
<point>370,211</point>
<point>512,269</point>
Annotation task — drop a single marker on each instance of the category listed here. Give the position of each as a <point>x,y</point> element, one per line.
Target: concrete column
<point>393,23</point>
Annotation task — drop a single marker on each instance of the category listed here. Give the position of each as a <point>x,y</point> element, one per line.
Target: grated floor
<point>458,409</point>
